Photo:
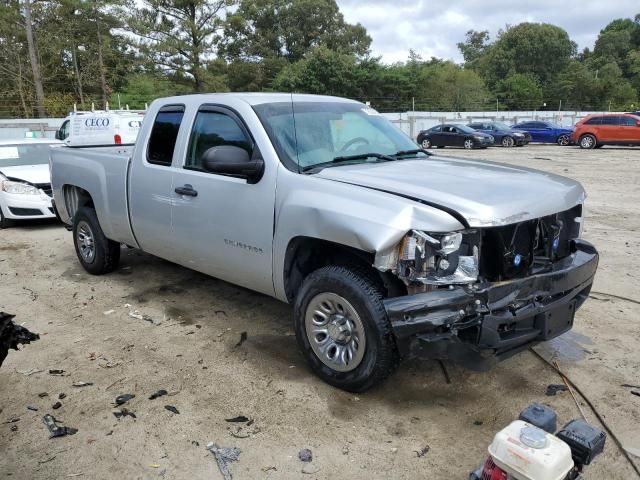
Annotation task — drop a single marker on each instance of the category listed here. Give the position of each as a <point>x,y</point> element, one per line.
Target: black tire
<point>106,255</point>
<point>4,222</point>
<point>507,141</point>
<point>426,143</point>
<point>365,296</point>
<point>563,140</point>
<point>588,141</point>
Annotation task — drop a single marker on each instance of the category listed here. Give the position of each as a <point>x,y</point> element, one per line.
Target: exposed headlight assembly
<point>18,188</point>
<point>434,258</point>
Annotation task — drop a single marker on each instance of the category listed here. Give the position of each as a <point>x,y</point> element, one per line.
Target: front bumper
<point>26,207</point>
<point>480,324</point>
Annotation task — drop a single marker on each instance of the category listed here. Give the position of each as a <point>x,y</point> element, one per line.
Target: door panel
<point>226,230</point>
<point>151,182</point>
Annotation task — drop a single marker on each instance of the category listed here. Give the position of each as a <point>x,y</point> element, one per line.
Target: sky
<point>433,27</point>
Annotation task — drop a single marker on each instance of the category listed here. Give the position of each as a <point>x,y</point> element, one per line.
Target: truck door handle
<point>186,190</point>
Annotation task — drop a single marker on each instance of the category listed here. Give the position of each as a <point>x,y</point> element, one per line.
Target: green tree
<point>179,36</point>
<point>474,47</point>
<point>264,36</point>
<point>520,91</point>
<point>537,49</point>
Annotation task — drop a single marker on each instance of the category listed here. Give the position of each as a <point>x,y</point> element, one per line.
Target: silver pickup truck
<point>385,250</point>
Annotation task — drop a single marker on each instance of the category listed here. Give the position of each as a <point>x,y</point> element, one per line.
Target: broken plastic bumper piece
<point>477,325</point>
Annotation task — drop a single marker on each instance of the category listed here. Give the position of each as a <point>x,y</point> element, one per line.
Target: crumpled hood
<point>484,193</point>
<point>36,174</point>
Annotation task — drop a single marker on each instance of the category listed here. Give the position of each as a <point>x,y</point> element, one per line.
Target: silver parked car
<point>385,250</point>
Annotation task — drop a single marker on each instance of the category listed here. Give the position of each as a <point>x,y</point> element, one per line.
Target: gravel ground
<point>187,342</point>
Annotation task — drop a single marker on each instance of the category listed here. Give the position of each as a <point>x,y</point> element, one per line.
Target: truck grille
<point>521,249</point>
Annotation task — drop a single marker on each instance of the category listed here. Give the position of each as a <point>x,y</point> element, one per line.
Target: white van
<point>97,128</point>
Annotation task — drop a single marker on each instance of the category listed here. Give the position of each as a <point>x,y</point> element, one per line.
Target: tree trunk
<point>103,80</point>
<point>74,56</point>
<point>26,111</point>
<point>33,58</point>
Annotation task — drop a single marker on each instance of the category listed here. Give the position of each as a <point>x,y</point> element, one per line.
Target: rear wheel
<point>588,141</point>
<point>507,142</point>
<point>426,143</point>
<point>469,144</point>
<point>563,140</point>
<point>343,330</point>
<point>97,254</point>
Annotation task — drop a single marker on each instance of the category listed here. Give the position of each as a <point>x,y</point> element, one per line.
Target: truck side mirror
<point>234,161</point>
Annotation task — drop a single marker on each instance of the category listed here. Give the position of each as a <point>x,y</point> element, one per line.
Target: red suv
<point>597,130</point>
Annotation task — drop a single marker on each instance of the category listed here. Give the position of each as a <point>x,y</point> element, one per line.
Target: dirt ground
<point>190,347</point>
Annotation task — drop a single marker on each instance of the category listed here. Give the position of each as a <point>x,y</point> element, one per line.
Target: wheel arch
<point>304,255</point>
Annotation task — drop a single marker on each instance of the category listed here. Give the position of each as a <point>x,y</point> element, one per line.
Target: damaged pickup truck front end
<point>483,294</point>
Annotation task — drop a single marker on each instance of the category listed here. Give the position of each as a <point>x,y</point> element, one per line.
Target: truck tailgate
<point>102,172</point>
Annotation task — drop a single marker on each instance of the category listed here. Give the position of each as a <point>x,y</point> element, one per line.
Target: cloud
<point>433,27</point>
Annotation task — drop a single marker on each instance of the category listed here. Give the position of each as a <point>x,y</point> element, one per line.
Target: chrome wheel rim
<point>563,140</point>
<point>86,242</point>
<point>507,141</point>
<point>468,144</point>
<point>335,332</point>
<point>587,142</point>
<point>426,143</point>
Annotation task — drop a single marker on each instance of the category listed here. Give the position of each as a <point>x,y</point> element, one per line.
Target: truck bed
<point>103,172</point>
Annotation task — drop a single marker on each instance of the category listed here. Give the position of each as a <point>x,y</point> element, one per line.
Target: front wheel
<point>343,330</point>
<point>563,140</point>
<point>426,143</point>
<point>588,141</point>
<point>4,221</point>
<point>97,254</point>
<point>507,142</point>
<point>469,144</point>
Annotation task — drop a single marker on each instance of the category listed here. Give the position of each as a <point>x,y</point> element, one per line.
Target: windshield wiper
<point>412,152</point>
<point>348,158</point>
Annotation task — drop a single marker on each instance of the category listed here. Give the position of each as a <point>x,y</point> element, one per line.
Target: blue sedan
<point>546,132</point>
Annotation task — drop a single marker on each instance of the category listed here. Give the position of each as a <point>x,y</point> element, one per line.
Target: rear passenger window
<point>611,120</point>
<point>628,122</point>
<point>164,133</point>
<point>213,129</point>
<point>594,121</point>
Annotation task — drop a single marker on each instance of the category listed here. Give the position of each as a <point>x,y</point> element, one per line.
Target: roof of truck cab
<point>258,98</point>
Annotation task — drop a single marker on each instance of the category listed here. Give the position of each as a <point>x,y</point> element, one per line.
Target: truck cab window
<point>213,129</point>
<point>162,141</point>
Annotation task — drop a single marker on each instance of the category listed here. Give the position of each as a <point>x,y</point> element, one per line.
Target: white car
<point>25,181</point>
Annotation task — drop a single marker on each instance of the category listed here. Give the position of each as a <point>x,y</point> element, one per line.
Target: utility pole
<point>33,58</point>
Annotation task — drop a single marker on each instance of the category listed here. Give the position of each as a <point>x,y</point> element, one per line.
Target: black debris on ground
<point>124,398</point>
<point>626,385</point>
<point>14,428</point>
<point>32,408</point>
<point>12,335</point>
<point>305,455</point>
<point>477,423</point>
<point>124,412</point>
<point>243,338</point>
<point>56,371</point>
<point>423,451</point>
<point>633,392</point>
<point>238,419</point>
<point>56,405</point>
<point>224,457</point>
<point>158,394</point>
<point>553,389</point>
<point>56,430</point>
<point>62,396</point>
<point>43,394</point>
<point>171,408</point>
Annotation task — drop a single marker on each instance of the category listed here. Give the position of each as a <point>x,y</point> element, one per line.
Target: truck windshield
<point>18,155</point>
<point>305,134</point>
